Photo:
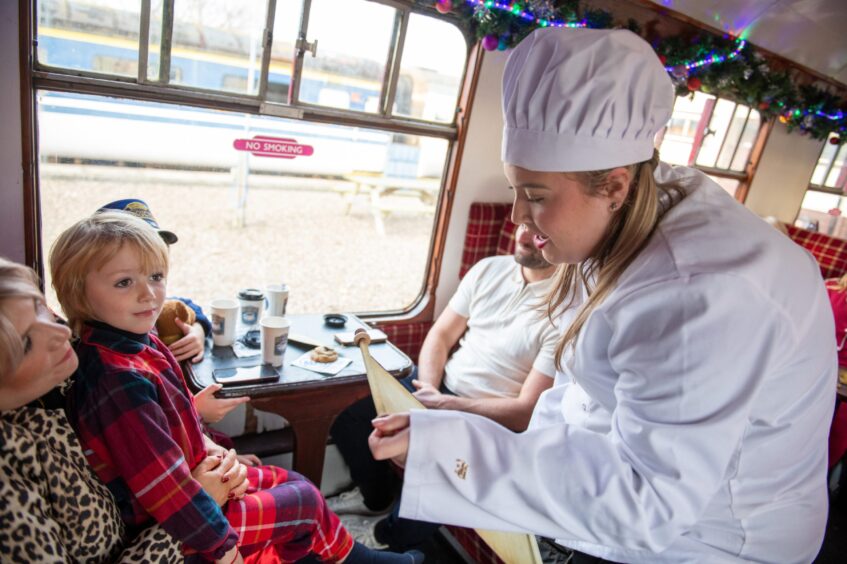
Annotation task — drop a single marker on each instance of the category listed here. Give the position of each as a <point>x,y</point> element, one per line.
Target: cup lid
<point>251,295</point>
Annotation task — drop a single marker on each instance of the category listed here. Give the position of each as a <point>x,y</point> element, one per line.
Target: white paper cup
<point>276,300</point>
<point>224,318</point>
<point>274,339</point>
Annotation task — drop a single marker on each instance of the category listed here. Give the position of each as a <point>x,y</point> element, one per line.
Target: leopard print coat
<point>53,508</point>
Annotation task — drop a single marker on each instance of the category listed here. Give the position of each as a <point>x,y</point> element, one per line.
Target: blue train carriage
<point>196,137</point>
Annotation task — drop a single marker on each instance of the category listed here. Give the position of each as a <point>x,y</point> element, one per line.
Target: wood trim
<point>29,140</point>
<point>463,118</point>
<point>754,160</point>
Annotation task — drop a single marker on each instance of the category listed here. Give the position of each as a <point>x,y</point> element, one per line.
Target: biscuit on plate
<point>324,354</point>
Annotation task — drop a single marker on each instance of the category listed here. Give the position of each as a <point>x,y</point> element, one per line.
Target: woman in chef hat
<point>689,418</point>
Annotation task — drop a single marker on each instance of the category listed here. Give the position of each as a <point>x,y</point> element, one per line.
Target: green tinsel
<point>747,79</point>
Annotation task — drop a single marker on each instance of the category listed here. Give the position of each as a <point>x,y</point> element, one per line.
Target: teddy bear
<point>169,331</point>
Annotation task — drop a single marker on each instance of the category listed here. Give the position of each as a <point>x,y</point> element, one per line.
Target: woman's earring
<point>613,206</point>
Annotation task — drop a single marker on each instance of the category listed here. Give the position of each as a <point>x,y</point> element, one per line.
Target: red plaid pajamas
<point>285,513</point>
<point>140,432</point>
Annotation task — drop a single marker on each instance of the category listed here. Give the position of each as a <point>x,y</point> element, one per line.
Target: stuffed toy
<point>169,331</point>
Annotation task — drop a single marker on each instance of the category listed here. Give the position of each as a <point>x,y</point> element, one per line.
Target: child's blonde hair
<point>16,281</point>
<point>87,245</point>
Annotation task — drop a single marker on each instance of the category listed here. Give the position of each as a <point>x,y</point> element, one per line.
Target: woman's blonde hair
<point>629,231</point>
<point>16,281</point>
<point>87,245</point>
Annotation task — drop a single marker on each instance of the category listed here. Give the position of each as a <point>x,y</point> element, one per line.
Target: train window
<point>286,28</point>
<point>830,172</point>
<point>430,74</point>
<point>353,39</point>
<point>175,96</point>
<point>713,134</point>
<point>89,34</point>
<point>246,220</point>
<point>824,205</point>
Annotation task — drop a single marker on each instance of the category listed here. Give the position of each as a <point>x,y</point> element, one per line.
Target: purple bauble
<point>490,42</point>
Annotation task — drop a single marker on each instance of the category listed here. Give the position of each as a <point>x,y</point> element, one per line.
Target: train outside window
<point>255,199</point>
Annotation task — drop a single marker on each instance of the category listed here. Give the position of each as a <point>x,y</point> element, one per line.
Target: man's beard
<point>533,260</point>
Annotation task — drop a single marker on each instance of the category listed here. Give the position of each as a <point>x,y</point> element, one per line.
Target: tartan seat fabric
<point>408,337</point>
<point>490,232</point>
<point>830,252</point>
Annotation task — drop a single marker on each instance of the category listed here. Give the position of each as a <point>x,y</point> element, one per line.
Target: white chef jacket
<point>691,422</point>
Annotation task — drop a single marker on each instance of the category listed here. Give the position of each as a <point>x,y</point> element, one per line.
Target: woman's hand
<point>390,438</point>
<point>209,474</point>
<point>191,345</point>
<point>212,409</point>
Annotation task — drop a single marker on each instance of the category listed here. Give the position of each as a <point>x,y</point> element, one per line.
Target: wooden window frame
<point>35,76</point>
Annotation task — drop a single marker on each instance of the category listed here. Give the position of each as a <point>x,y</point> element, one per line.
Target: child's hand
<point>210,472</point>
<point>192,345</point>
<point>236,478</point>
<point>249,460</point>
<point>212,409</point>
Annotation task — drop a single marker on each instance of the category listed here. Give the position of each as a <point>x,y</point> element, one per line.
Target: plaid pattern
<point>506,242</point>
<point>408,337</point>
<point>483,236</point>
<point>283,513</point>
<point>130,389</point>
<point>830,252</point>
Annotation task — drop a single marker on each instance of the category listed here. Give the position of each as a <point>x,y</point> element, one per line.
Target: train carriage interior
<point>348,148</point>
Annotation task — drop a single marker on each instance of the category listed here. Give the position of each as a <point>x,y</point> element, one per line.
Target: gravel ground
<point>296,231</point>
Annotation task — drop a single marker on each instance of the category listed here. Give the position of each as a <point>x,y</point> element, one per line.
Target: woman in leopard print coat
<point>53,508</point>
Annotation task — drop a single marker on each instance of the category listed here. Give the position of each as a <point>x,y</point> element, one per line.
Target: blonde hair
<point>16,282</point>
<point>87,245</point>
<point>628,233</point>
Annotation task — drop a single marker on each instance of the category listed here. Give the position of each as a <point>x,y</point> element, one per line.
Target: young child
<point>138,425</point>
<point>210,408</point>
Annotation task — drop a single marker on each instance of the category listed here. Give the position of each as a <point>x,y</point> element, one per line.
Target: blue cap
<point>140,209</point>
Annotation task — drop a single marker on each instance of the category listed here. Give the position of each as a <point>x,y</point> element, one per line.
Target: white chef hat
<point>583,99</point>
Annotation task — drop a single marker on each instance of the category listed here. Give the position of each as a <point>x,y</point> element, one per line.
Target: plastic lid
<point>251,295</point>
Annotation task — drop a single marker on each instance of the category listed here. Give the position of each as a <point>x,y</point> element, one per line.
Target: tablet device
<point>243,375</point>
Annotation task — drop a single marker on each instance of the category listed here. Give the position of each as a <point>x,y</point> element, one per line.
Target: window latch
<point>303,46</point>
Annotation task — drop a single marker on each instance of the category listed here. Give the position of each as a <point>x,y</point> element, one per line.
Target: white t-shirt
<point>508,331</point>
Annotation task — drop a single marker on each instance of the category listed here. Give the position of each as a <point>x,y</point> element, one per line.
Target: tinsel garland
<point>720,65</point>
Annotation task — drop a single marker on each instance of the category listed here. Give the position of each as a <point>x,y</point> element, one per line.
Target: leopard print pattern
<point>152,546</point>
<point>53,508</point>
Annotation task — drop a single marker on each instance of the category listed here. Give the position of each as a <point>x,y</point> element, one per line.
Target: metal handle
<point>305,46</point>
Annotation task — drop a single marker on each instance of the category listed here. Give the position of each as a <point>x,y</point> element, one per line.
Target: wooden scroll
<point>389,397</point>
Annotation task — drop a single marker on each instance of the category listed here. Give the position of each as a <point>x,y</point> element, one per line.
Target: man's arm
<point>513,413</point>
<point>445,333</point>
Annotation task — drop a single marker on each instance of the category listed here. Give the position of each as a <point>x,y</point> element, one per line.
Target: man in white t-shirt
<point>503,364</point>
